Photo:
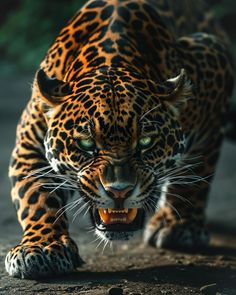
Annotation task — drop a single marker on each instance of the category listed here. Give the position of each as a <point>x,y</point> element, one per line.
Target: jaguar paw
<point>40,260</point>
<point>178,235</point>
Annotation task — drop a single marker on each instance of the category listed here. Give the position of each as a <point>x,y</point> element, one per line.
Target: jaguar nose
<point>117,192</point>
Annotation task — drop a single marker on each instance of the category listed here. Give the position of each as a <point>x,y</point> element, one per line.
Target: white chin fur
<point>116,236</point>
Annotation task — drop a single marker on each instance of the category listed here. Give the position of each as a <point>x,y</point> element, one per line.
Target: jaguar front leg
<point>180,220</point>
<point>46,248</point>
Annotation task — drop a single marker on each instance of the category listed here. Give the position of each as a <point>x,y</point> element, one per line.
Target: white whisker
<point>104,247</point>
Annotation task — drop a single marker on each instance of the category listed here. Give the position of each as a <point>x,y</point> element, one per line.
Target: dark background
<point>27,28</point>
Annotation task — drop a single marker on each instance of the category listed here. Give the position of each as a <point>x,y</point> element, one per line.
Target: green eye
<point>87,144</point>
<point>145,142</point>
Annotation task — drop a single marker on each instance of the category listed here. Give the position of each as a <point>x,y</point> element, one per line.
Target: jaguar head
<point>115,136</point>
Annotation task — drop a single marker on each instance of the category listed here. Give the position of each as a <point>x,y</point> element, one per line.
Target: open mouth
<point>127,219</point>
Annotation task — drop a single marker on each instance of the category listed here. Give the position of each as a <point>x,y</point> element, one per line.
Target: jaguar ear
<point>177,90</point>
<point>52,89</point>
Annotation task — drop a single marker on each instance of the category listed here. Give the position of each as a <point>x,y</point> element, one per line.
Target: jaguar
<point>127,113</point>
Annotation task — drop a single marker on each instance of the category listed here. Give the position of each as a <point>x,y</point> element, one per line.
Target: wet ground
<point>128,268</point>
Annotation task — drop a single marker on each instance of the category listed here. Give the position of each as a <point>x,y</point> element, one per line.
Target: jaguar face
<point>113,142</point>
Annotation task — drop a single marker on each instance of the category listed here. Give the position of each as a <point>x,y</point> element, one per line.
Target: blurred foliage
<point>28,27</point>
<point>223,8</point>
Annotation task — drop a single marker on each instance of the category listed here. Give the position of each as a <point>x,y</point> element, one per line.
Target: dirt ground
<point>135,269</point>
<point>127,268</point>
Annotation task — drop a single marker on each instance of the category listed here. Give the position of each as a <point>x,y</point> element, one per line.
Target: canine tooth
<point>103,215</point>
<point>126,210</point>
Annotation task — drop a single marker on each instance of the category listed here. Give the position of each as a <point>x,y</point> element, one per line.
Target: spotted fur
<point>120,71</point>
